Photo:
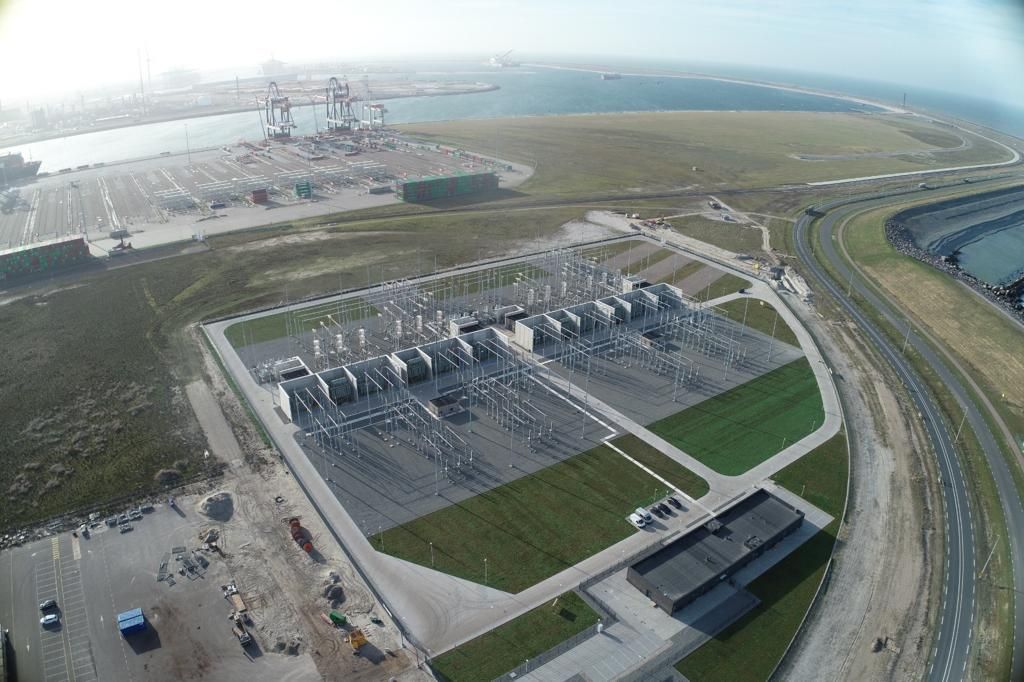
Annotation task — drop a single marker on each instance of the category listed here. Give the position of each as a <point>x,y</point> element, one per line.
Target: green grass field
<point>275,325</point>
<point>538,525</point>
<point>503,648</point>
<point>760,316</point>
<point>682,273</point>
<point>729,236</point>
<point>737,430</point>
<point>723,286</point>
<point>589,155</point>
<point>749,649</point>
<point>666,467</point>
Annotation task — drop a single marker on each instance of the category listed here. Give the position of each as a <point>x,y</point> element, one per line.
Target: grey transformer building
<point>692,565</point>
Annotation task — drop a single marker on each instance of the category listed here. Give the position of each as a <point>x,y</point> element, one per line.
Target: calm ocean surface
<point>523,92</point>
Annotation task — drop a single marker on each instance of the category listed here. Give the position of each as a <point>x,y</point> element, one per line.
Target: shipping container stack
<point>43,258</point>
<point>429,189</point>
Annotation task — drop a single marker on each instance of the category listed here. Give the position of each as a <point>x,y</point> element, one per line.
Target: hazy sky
<point>966,46</point>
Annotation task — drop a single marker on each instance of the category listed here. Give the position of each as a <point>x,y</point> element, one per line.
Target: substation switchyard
<point>414,395</point>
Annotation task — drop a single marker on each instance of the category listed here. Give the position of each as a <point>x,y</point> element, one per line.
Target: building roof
<point>445,400</point>
<point>456,174</point>
<point>712,550</point>
<point>41,244</point>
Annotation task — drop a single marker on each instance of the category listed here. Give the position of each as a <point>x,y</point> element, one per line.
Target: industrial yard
<point>177,198</point>
<point>429,417</point>
<point>191,563</point>
<point>480,435</point>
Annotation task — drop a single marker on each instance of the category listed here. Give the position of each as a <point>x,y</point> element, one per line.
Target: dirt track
<point>283,585</point>
<point>884,584</point>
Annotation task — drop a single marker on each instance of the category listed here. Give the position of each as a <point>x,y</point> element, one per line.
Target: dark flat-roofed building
<point>444,405</point>
<point>692,565</point>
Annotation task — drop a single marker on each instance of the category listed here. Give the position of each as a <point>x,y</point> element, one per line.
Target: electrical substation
<point>416,394</point>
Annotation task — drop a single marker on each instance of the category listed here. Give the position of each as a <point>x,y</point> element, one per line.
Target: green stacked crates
<point>304,189</point>
<point>442,187</point>
<point>42,258</point>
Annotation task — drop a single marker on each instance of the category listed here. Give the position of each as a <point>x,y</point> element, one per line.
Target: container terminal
<point>353,161</point>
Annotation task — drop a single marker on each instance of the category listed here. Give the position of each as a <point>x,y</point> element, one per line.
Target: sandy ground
<point>883,570</point>
<point>570,234</point>
<point>282,583</point>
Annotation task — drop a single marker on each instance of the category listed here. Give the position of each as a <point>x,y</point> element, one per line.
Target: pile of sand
<point>218,506</point>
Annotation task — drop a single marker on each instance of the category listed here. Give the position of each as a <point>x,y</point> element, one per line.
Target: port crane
<point>277,113</point>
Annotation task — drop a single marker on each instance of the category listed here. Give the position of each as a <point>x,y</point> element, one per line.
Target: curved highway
<point>956,618</point>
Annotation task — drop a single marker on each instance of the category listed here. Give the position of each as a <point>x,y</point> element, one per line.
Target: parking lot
<point>205,188</point>
<point>65,650</point>
<point>94,579</point>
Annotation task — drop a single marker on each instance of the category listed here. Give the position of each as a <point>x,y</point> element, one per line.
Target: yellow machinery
<point>356,639</point>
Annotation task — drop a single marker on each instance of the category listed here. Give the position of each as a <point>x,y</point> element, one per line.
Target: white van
<point>644,514</point>
<point>637,520</point>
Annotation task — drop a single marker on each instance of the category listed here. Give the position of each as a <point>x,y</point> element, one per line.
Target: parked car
<point>146,508</point>
<point>637,520</point>
<point>675,503</point>
<point>657,512</point>
<point>127,527</point>
<point>49,619</point>
<point>48,604</point>
<point>135,515</point>
<point>112,521</point>
<point>664,508</point>
<point>122,519</point>
<point>644,514</point>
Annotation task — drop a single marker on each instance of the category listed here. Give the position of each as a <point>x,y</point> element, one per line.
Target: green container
<point>338,619</point>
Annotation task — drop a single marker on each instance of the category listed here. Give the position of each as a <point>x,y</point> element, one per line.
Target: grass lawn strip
<point>723,286</point>
<point>503,648</point>
<point>663,465</point>
<point>540,524</point>
<point>682,272</point>
<point>737,430</point>
<point>760,316</point>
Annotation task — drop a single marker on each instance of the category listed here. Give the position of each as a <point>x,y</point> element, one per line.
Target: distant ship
<point>13,167</point>
<point>611,76</point>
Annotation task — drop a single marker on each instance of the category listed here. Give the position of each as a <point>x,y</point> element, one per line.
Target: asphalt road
<point>953,641</point>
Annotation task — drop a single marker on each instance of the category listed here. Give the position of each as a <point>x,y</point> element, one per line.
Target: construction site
<point>352,160</point>
<point>401,405</point>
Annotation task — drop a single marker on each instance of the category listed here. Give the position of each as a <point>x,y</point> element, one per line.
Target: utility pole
<point>959,428</point>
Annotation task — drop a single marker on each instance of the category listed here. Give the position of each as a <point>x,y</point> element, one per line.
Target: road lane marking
<point>60,591</point>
